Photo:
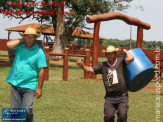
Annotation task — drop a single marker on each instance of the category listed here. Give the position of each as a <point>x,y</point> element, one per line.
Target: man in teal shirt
<point>27,72</point>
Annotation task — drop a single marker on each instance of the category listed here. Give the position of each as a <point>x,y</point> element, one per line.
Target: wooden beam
<point>139,37</point>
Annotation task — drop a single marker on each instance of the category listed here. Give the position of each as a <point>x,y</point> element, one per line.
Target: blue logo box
<point>13,114</point>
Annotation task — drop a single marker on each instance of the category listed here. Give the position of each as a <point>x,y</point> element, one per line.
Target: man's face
<point>29,39</point>
<point>111,56</point>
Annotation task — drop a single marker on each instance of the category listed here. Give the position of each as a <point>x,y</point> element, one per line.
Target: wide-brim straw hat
<point>30,30</point>
<point>111,49</point>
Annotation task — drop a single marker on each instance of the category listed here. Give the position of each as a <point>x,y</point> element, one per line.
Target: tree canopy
<point>64,15</point>
<point>81,9</point>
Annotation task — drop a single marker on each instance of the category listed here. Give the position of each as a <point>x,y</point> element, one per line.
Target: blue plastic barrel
<point>139,72</point>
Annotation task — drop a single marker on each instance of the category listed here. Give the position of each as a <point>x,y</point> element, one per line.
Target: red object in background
<point>3,43</point>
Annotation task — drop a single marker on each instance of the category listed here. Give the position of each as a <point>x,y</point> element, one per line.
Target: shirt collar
<point>112,64</point>
<point>32,48</point>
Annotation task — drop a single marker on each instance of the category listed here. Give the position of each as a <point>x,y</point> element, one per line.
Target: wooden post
<point>139,37</point>
<point>65,65</point>
<point>46,74</point>
<point>89,41</point>
<point>44,42</point>
<point>9,32</point>
<point>87,63</point>
<point>95,45</point>
<point>72,49</point>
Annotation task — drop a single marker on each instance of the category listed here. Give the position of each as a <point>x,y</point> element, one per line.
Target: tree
<point>59,44</point>
<point>64,24</point>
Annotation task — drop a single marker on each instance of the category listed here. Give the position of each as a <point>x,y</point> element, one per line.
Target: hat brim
<point>22,34</point>
<point>116,50</point>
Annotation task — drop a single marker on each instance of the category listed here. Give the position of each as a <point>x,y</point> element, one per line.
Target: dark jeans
<point>113,104</point>
<point>23,98</point>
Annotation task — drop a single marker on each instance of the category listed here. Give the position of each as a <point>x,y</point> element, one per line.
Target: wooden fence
<point>65,62</point>
<point>3,46</point>
<point>155,56</point>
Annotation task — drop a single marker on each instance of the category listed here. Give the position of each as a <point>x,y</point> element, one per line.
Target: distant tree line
<point>121,43</point>
<point>126,43</point>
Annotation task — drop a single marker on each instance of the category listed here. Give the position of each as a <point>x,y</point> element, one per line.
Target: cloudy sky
<point>116,29</point>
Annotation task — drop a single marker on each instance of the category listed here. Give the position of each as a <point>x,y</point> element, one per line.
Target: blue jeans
<point>23,98</point>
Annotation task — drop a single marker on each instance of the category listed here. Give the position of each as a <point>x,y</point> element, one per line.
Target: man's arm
<point>80,63</point>
<point>13,43</point>
<point>129,57</point>
<point>38,92</point>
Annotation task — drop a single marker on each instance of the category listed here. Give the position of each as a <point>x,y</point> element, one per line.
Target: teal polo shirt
<point>25,68</point>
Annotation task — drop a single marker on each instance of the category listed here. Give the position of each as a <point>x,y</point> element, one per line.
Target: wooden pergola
<point>48,31</point>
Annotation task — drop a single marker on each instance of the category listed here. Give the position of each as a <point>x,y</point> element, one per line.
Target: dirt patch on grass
<point>4,63</point>
<point>152,89</point>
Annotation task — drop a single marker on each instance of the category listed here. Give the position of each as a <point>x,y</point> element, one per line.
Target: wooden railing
<point>65,62</point>
<point>150,53</point>
<point>80,50</point>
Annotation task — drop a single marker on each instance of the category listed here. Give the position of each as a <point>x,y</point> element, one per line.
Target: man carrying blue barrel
<point>113,73</point>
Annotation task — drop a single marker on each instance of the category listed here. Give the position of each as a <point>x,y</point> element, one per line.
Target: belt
<point>124,94</point>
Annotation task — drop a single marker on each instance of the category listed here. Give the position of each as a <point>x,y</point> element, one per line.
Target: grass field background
<point>80,100</point>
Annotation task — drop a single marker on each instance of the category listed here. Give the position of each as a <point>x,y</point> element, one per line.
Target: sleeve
<point>123,58</point>
<point>124,61</point>
<point>16,49</point>
<point>98,68</point>
<point>42,63</point>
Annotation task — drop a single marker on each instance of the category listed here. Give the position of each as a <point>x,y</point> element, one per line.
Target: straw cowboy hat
<point>30,30</point>
<point>110,49</point>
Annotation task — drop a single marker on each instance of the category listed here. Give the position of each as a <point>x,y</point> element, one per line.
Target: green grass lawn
<point>79,100</point>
